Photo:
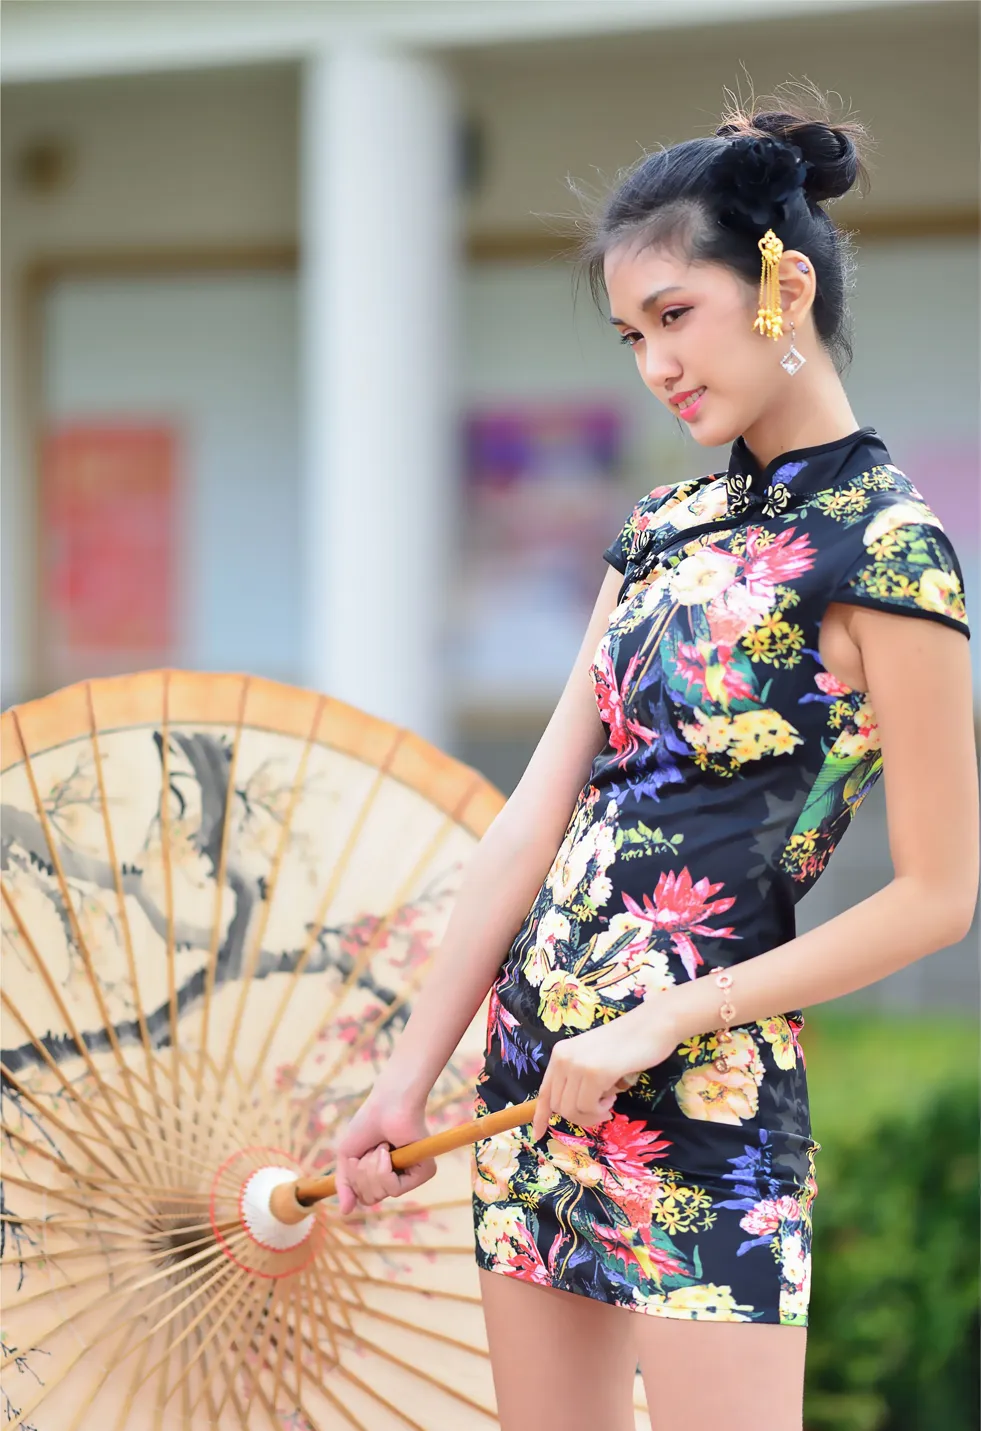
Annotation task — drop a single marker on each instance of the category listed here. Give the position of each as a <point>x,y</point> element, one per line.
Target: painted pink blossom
<point>625,734</point>
<point>785,557</point>
<point>679,908</point>
<point>764,1219</point>
<point>628,1146</point>
<point>830,685</point>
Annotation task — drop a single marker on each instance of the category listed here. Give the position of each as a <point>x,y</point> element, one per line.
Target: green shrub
<point>893,1333</point>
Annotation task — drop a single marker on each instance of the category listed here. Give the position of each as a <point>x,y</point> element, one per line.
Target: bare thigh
<point>561,1362</point>
<point>740,1375</point>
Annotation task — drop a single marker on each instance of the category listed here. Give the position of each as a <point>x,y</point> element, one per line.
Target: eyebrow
<point>649,301</point>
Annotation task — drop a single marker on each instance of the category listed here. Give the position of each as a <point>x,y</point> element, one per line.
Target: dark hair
<point>715,197</point>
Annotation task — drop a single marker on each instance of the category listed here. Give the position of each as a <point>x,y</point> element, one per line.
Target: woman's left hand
<point>583,1072</point>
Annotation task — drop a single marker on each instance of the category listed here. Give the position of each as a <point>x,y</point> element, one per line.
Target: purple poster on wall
<point>542,498</point>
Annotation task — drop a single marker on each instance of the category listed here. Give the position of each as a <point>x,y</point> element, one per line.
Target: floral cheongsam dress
<point>734,762</point>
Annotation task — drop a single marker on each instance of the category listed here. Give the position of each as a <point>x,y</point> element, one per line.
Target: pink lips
<point>686,414</point>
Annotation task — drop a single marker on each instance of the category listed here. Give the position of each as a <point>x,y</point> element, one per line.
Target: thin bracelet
<point>724,980</point>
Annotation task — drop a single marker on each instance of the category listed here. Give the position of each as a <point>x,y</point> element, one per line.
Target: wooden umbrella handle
<point>290,1202</point>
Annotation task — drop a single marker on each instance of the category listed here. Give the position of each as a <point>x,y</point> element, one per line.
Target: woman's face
<point>691,328</point>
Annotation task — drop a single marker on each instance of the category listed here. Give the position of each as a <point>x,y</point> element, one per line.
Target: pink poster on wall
<point>109,493</point>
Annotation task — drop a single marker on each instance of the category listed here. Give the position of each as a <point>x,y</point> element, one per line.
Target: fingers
<point>363,1182</point>
<point>567,1092</point>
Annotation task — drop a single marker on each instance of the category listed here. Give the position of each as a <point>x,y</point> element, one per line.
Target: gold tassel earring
<point>769,317</point>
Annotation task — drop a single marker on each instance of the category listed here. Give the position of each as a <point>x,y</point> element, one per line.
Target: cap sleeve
<point>641,518</point>
<point>905,562</point>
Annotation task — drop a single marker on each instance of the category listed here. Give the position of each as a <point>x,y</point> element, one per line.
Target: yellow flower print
<point>775,642</point>
<point>692,1049</point>
<point>846,502</point>
<point>941,591</point>
<point>709,1096</point>
<point>706,1303</point>
<point>566,1002</point>
<point>898,514</point>
<point>681,1209</point>
<point>776,1031</point>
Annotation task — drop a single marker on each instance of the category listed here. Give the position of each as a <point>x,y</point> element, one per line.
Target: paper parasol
<point>219,897</point>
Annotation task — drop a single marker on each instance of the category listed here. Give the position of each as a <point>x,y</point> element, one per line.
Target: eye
<point>632,338</point>
<point>674,314</point>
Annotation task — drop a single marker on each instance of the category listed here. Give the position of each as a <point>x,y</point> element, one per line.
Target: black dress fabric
<point>733,764</point>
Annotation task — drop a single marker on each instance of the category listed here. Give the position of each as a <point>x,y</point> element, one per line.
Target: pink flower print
<point>764,1219</point>
<point>679,908</point>
<point>625,734</point>
<point>627,1146</point>
<point>707,666</point>
<point>830,685</point>
<point>786,556</point>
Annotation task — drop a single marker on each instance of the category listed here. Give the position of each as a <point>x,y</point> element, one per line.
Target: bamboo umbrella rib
<point>445,828</point>
<point>220,882</point>
<point>379,1316</point>
<point>64,1370</point>
<point>344,1371</point>
<point>234,1277</point>
<point>469,1299</point>
<point>205,1389</point>
<point>131,1288</point>
<point>271,1309</point>
<point>394,1209</point>
<point>110,1095</point>
<point>85,1106</point>
<point>136,1382</point>
<point>245,983</point>
<point>335,1273</point>
<point>283,1339</point>
<point>112,1362</point>
<point>251,1311</point>
<point>349,1375</point>
<point>243,1330</point>
<point>338,870</point>
<point>124,923</point>
<point>107,1183</point>
<point>59,1195</point>
<point>69,906</point>
<point>168,873</point>
<point>428,1377</point>
<point>85,1141</point>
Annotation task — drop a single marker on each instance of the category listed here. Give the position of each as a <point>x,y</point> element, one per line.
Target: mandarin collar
<point>800,472</point>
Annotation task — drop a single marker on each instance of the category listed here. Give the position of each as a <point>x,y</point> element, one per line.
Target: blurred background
<point>295,382</point>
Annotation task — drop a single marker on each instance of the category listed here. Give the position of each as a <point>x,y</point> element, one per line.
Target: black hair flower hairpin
<point>756,178</point>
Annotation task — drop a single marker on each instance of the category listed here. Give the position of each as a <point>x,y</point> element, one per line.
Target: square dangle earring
<point>792,361</point>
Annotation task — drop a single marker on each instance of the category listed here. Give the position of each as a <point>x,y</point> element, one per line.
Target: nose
<point>660,370</point>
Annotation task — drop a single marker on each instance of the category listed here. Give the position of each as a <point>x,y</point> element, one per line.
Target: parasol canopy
<point>220,895</point>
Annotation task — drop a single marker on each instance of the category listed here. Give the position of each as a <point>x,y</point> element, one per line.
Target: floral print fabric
<point>733,764</point>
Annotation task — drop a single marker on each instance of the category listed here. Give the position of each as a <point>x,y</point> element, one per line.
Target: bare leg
<point>561,1362</point>
<point>742,1376</point>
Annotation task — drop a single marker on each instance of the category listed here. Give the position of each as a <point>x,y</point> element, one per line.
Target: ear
<point>797,286</point>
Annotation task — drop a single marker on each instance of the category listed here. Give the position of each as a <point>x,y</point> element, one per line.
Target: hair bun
<point>829,151</point>
<point>756,178</point>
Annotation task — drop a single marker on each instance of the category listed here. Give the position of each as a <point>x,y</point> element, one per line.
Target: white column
<point>378,270</point>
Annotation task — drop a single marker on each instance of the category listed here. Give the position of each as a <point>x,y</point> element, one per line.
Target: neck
<point>807,414</point>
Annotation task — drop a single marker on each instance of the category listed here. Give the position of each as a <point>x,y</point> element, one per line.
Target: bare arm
<point>504,876</point>
<point>499,887</point>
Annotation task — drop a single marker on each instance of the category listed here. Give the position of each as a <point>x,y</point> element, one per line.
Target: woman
<point>767,640</point>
